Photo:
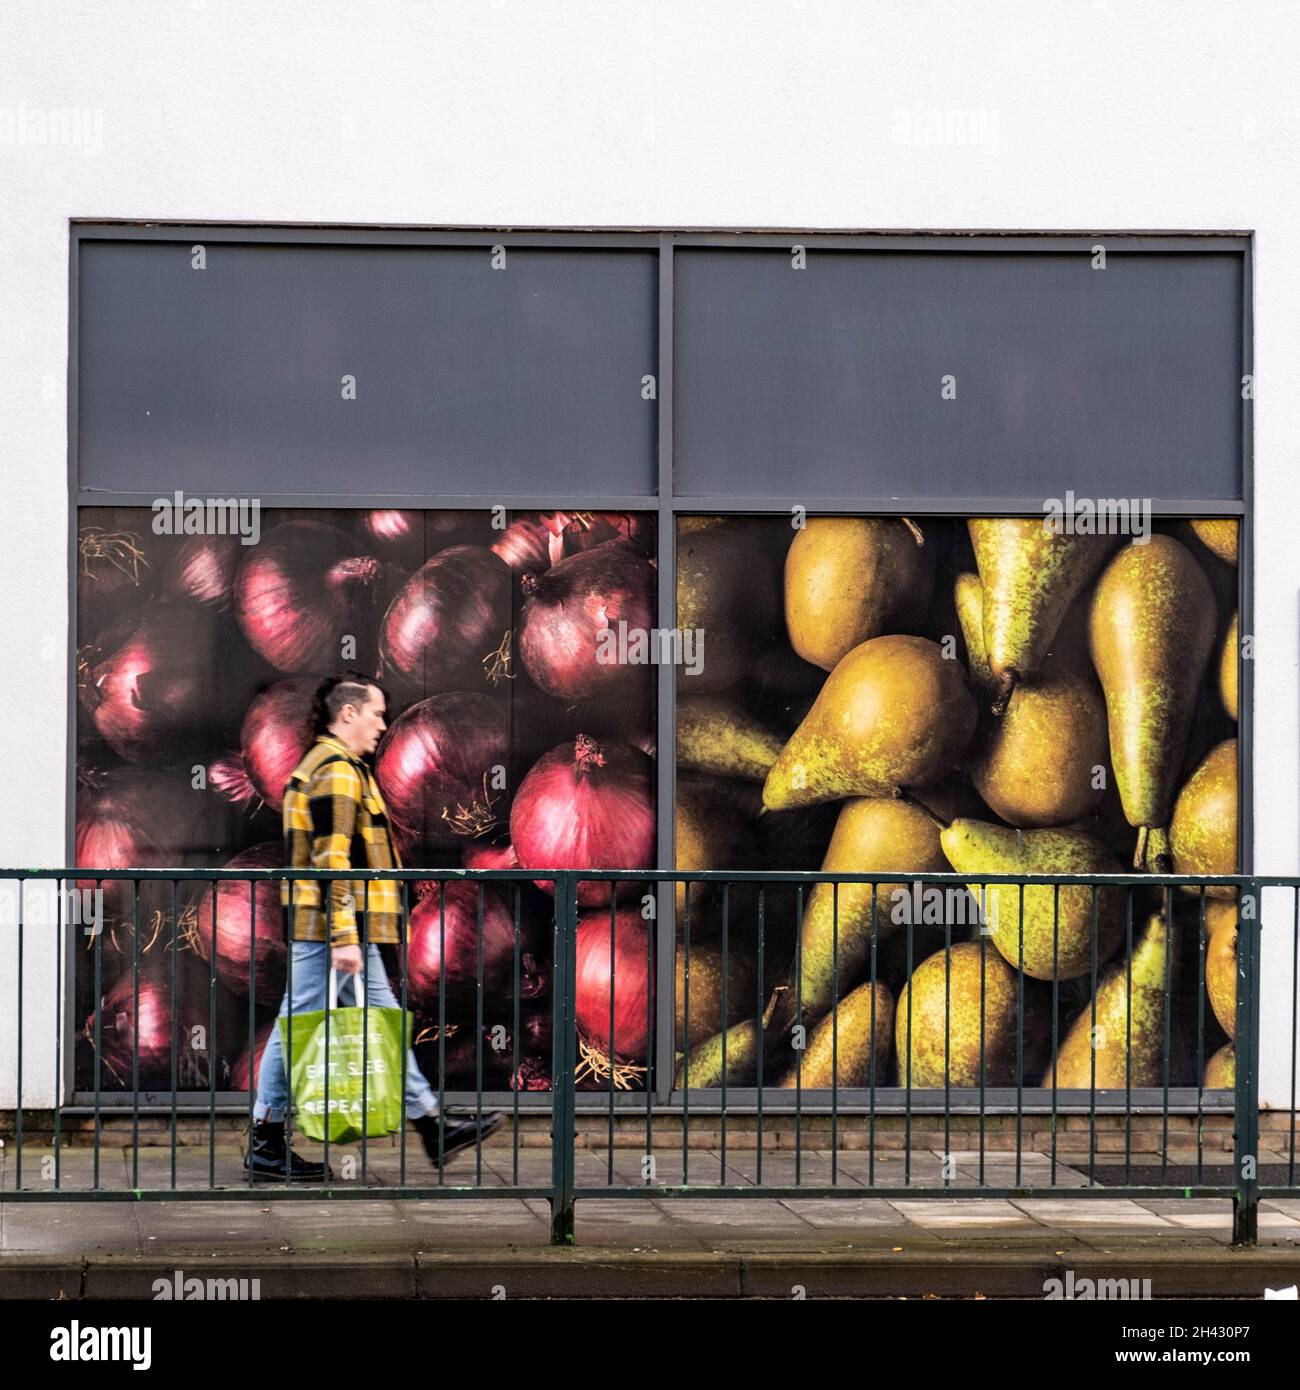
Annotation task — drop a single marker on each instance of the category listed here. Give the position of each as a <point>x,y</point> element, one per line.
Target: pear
<point>1130,1012</point>
<point>728,587</point>
<point>870,836</point>
<point>1203,832</point>
<point>1064,911</point>
<point>1228,670</point>
<point>1220,536</point>
<point>1042,761</point>
<point>715,735</point>
<point>955,981</point>
<point>1221,1069</point>
<point>851,578</point>
<point>1031,575</point>
<point>1221,963</point>
<point>839,1048</point>
<point>710,834</point>
<point>893,713</point>
<point>706,978</point>
<point>729,1058</point>
<point>1150,630</point>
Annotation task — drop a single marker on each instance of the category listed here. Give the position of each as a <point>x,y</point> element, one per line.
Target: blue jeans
<point>310,984</point>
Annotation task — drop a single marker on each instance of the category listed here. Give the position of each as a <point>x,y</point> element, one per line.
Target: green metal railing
<point>645,1079</point>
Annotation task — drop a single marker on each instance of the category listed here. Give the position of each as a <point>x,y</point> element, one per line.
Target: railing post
<point>564,1060</point>
<point>1245,1200</point>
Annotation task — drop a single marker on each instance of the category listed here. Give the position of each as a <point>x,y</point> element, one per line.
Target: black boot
<point>266,1157</point>
<point>455,1133</point>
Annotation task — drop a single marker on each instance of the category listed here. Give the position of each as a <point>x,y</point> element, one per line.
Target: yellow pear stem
<point>1006,688</point>
<point>1140,851</point>
<point>917,534</point>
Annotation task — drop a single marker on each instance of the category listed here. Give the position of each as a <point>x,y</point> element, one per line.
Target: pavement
<point>480,1238</point>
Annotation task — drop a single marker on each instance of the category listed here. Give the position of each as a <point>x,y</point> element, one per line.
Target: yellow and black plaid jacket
<point>335,818</point>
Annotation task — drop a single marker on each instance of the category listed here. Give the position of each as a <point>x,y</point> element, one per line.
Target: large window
<point>636,531</point>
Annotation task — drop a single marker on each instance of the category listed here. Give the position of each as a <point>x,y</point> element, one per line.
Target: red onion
<point>242,1078</point>
<point>525,546</point>
<point>449,627</point>
<point>129,819</point>
<point>532,1074</point>
<point>632,990</point>
<point>460,1061</point>
<point>203,568</point>
<point>123,1029</point>
<point>535,1052</point>
<point>393,527</point>
<point>568,610</point>
<point>300,590</point>
<point>477,855</point>
<point>152,698</point>
<point>277,731</point>
<point>237,933</point>
<point>456,943</point>
<point>114,578</point>
<point>586,806</point>
<point>535,1034</point>
<point>436,765</point>
<point>586,530</point>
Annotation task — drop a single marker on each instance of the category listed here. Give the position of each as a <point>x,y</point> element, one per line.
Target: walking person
<point>334,818</point>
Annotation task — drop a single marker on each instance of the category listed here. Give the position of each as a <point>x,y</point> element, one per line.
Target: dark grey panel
<point>827,381</point>
<point>469,380</point>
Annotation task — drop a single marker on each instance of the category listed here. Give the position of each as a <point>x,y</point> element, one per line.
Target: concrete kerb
<point>594,1273</point>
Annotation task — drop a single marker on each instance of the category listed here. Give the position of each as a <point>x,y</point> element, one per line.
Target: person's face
<point>362,726</point>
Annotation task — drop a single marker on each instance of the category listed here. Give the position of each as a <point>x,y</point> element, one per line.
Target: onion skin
<point>477,855</point>
<point>570,606</point>
<point>132,819</point>
<point>586,806</point>
<point>435,769</point>
<point>300,591</point>
<point>632,987</point>
<point>532,1074</point>
<point>276,732</point>
<point>525,546</point>
<point>393,528</point>
<point>151,698</point>
<point>120,1026</point>
<point>202,570</point>
<point>460,1062</point>
<point>459,936</point>
<point>586,530</point>
<point>443,628</point>
<point>236,905</point>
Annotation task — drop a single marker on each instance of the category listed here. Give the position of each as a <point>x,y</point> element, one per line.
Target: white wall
<point>1092,116</point>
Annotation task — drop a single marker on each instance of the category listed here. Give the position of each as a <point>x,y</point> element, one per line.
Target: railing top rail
<point>804,876</point>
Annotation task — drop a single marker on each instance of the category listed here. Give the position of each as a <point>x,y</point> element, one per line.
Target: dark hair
<point>347,688</point>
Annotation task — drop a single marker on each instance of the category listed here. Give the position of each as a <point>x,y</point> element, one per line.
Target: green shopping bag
<point>351,1056</point>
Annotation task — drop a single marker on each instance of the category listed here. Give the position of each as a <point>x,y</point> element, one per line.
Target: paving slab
<point>1118,1213</point>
